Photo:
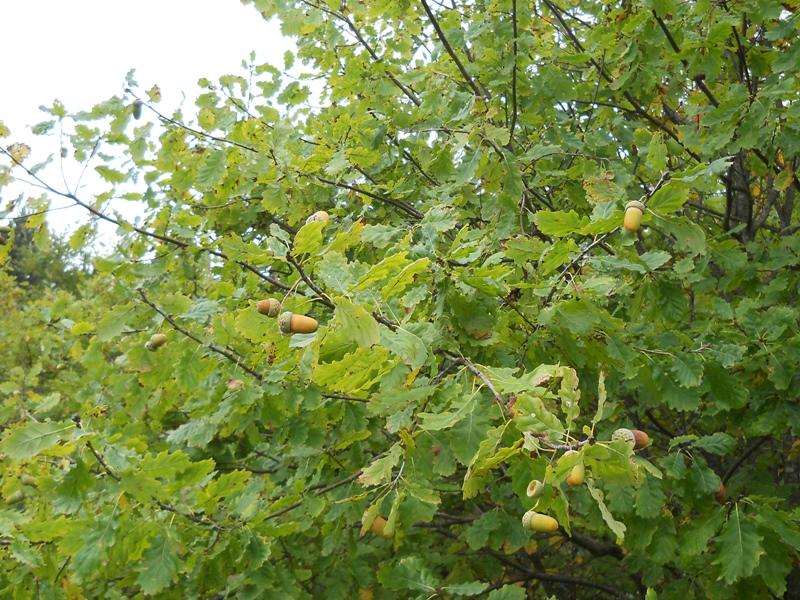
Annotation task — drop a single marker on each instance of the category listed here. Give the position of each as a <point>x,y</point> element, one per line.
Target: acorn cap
<point>269,307</point>
<point>636,204</point>
<point>285,323</point>
<point>535,489</point>
<point>320,215</point>
<point>623,434</point>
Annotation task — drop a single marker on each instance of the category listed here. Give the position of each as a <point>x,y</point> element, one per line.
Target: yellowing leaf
<point>154,94</point>
<point>784,179</point>
<point>19,152</point>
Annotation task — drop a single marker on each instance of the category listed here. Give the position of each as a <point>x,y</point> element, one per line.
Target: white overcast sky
<point>79,52</point>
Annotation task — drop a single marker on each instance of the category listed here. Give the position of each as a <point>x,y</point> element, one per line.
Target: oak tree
<point>484,319</point>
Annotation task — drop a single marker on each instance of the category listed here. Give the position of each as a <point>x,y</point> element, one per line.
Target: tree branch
<point>745,455</point>
<point>513,73</point>
<point>477,372</point>
<point>323,490</point>
<point>451,52</point>
<point>191,336</point>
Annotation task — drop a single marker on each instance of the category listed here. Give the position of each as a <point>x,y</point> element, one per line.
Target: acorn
<point>641,439</point>
<point>634,211</point>
<point>320,216</point>
<point>535,489</point>
<point>289,323</point>
<point>2,241</point>
<point>378,527</point>
<point>15,497</point>
<point>623,434</point>
<point>721,495</point>
<point>5,229</point>
<point>137,109</point>
<point>269,307</point>
<point>149,346</point>
<point>158,340</point>
<point>539,522</point>
<point>576,476</point>
<point>61,367</point>
<point>29,480</point>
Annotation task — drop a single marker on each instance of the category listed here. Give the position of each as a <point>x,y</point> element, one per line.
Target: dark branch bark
<point>449,49</point>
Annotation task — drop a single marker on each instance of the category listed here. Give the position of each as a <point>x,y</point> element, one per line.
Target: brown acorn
<point>378,527</point>
<point>535,489</point>
<point>289,323</point>
<point>721,494</point>
<point>634,211</point>
<point>2,241</point>
<point>269,307</point>
<point>578,473</point>
<point>641,439</point>
<point>158,340</point>
<point>538,522</point>
<point>320,216</point>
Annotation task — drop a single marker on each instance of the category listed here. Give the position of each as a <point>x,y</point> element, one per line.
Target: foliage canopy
<point>481,311</point>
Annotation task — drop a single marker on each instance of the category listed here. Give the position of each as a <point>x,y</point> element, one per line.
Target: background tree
<point>38,259</point>
<point>482,312</point>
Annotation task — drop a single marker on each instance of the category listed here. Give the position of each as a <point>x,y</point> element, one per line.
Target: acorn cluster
<point>288,322</point>
<point>155,342</point>
<point>541,523</point>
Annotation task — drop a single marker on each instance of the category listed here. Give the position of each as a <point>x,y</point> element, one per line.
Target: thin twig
<point>477,372</point>
<point>190,517</point>
<point>513,74</point>
<point>151,234</point>
<point>320,492</point>
<point>745,455</point>
<point>99,458</point>
<point>191,336</point>
<point>316,289</point>
<point>451,52</point>
<point>665,177</point>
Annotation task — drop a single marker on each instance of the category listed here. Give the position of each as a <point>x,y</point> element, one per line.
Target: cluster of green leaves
<point>481,311</point>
